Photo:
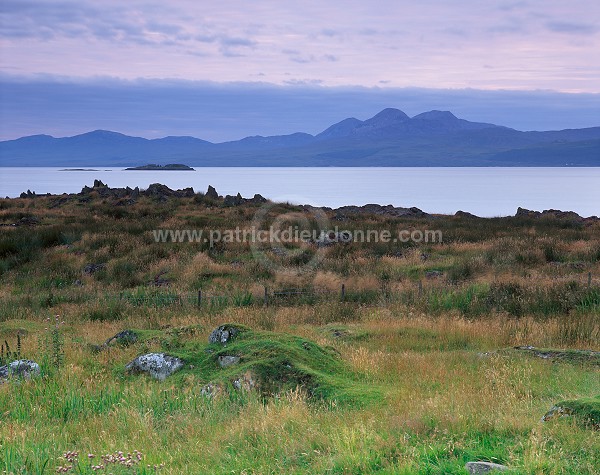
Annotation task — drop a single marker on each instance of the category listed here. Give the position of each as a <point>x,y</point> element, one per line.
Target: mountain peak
<point>341,129</point>
<point>389,115</point>
<point>436,115</point>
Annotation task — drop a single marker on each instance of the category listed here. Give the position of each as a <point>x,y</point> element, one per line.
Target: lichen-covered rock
<point>228,360</point>
<point>223,334</point>
<point>246,382</point>
<point>211,390</point>
<point>20,369</point>
<point>157,365</point>
<point>477,468</point>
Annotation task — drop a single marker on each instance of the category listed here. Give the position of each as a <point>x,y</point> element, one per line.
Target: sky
<point>225,70</point>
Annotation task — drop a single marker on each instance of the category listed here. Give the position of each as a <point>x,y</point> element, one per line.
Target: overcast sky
<point>71,66</point>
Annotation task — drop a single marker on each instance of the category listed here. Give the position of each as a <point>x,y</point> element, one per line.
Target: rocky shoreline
<point>128,196</point>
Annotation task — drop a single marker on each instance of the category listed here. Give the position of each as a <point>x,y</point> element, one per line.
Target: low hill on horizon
<point>390,138</point>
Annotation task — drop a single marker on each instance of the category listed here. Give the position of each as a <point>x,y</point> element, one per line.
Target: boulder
<point>20,369</point>
<point>211,390</point>
<point>228,360</point>
<point>157,365</point>
<point>89,269</point>
<point>556,412</point>
<point>246,382</point>
<point>334,237</point>
<point>126,337</point>
<point>223,334</point>
<point>476,468</point>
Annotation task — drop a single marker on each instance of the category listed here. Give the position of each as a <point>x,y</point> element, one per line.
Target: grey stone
<point>476,468</point>
<point>556,412</point>
<point>157,365</point>
<point>90,269</point>
<point>20,369</point>
<point>245,382</point>
<point>211,390</point>
<point>125,337</point>
<point>223,334</point>
<point>328,239</point>
<point>228,360</point>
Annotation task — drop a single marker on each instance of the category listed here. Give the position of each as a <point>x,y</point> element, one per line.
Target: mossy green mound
<point>275,362</point>
<point>584,410</point>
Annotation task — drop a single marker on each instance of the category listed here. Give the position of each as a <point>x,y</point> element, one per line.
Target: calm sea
<point>482,191</point>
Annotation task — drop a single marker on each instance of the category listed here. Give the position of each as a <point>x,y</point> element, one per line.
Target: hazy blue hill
<point>341,129</point>
<point>258,142</point>
<point>582,153</point>
<point>390,138</point>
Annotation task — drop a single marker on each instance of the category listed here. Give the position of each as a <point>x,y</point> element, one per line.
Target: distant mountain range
<point>390,138</point>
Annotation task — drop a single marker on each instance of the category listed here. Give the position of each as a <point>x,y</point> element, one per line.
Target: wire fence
<point>469,298</point>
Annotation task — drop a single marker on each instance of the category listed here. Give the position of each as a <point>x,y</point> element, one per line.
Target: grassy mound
<point>584,410</point>
<point>276,362</point>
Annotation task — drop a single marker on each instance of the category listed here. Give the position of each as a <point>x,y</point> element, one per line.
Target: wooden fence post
<point>199,297</point>
<point>589,279</point>
<point>343,292</point>
<point>266,296</point>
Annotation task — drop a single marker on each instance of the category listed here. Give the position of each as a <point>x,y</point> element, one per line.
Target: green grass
<point>403,375</point>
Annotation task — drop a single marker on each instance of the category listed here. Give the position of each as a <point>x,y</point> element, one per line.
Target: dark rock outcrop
<point>212,193</point>
<point>464,214</point>
<point>554,214</point>
<point>258,199</point>
<point>236,200</point>
<point>28,194</point>
<point>380,210</point>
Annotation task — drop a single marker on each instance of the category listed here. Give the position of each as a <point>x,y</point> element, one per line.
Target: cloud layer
<point>535,44</point>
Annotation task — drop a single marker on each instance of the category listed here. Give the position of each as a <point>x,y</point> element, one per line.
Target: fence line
<point>420,293</point>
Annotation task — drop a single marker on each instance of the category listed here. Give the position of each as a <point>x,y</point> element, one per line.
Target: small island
<point>174,166</point>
